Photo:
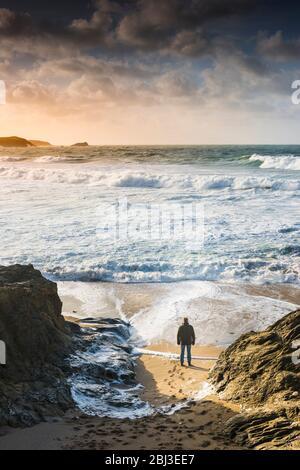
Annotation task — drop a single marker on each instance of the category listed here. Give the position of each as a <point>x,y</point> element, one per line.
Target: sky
<point>150,72</point>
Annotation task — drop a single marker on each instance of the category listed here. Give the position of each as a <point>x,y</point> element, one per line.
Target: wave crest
<point>280,162</point>
<point>149,180</point>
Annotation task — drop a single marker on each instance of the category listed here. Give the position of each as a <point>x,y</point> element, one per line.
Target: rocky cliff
<point>40,143</point>
<point>37,338</point>
<point>261,372</point>
<point>15,141</point>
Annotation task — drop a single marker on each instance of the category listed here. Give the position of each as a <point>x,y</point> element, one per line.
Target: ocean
<point>57,213</point>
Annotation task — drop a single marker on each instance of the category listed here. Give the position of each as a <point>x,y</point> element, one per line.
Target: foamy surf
<point>249,235</point>
<point>279,162</point>
<point>144,180</point>
<point>103,381</point>
<point>219,312</point>
<point>172,356</point>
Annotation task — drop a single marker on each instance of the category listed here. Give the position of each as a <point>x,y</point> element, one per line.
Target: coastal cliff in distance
<point>33,382</point>
<point>261,372</point>
<point>15,141</point>
<point>40,143</point>
<point>80,144</point>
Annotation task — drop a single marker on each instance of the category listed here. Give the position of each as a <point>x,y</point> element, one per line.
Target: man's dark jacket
<point>186,335</point>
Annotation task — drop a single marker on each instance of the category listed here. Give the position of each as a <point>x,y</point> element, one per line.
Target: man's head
<point>185,321</point>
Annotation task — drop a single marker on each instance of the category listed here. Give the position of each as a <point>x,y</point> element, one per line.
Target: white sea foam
<point>10,158</point>
<point>51,159</point>
<point>148,180</point>
<point>205,390</point>
<point>220,312</point>
<point>50,215</point>
<point>280,162</point>
<point>172,356</point>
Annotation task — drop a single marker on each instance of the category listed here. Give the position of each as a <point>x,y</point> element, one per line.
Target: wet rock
<point>262,372</point>
<point>54,365</point>
<point>103,381</point>
<point>37,338</point>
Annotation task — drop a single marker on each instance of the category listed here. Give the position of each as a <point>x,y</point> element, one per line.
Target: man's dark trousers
<point>189,355</point>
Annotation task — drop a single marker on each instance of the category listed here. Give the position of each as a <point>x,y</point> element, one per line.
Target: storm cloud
<point>147,25</point>
<point>99,59</point>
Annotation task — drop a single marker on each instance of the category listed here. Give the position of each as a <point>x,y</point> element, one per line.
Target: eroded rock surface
<point>53,365</point>
<point>261,371</point>
<point>37,338</point>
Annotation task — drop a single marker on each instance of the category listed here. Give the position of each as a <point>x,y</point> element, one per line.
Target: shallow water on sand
<point>220,312</point>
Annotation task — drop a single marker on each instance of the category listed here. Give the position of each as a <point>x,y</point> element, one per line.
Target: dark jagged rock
<point>32,383</point>
<point>261,371</point>
<point>267,429</point>
<point>53,365</point>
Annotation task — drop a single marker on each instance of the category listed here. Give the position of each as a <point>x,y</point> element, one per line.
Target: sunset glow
<point>149,72</point>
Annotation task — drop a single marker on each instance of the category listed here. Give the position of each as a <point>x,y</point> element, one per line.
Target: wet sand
<point>219,312</point>
<point>199,426</point>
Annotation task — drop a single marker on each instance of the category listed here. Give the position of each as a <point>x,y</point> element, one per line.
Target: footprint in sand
<point>205,444</point>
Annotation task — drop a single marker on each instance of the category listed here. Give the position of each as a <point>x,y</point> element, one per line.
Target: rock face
<point>261,371</point>
<point>103,377</point>
<point>32,383</point>
<point>40,143</point>
<point>81,144</point>
<point>20,142</point>
<point>15,142</point>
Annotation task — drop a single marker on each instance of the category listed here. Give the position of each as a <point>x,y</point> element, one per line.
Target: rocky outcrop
<point>40,143</point>
<point>81,144</point>
<point>15,142</point>
<point>32,383</point>
<point>53,365</point>
<point>103,377</point>
<point>261,371</point>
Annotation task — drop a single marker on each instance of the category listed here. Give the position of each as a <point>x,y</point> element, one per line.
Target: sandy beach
<point>198,426</point>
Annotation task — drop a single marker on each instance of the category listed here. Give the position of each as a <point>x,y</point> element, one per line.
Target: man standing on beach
<point>186,338</point>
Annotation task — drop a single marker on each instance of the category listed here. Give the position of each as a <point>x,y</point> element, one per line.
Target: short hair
<point>185,320</point>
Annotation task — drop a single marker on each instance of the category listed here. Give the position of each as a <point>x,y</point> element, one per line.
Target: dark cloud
<point>145,51</point>
<point>277,48</point>
<point>15,24</point>
<point>148,25</point>
<point>153,23</point>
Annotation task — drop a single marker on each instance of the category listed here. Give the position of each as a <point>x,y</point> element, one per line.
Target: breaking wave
<point>280,162</point>
<point>10,158</point>
<point>125,179</point>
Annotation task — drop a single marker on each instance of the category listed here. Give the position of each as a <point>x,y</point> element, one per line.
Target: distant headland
<point>81,144</point>
<point>15,141</point>
<point>20,142</point>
